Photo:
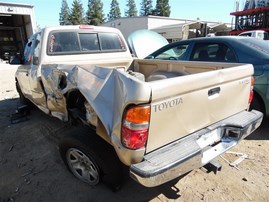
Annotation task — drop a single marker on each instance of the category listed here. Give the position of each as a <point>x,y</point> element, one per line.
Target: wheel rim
<point>82,166</point>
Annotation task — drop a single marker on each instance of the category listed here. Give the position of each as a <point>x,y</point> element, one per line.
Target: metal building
<point>17,24</point>
<point>171,28</point>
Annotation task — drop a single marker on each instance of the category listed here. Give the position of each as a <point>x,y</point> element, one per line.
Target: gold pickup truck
<point>160,118</point>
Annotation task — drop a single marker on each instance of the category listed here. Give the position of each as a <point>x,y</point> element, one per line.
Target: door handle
<point>213,91</point>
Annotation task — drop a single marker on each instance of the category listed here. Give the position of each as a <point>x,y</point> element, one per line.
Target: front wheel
<point>23,100</point>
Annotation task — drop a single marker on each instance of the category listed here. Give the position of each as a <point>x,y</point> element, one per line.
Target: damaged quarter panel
<point>107,92</point>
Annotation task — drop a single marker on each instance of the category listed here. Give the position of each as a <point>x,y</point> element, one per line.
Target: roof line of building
<point>16,4</point>
<point>163,17</point>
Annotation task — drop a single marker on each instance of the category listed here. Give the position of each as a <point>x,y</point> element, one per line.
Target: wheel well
<point>77,111</point>
<point>75,100</point>
<point>17,83</point>
<point>257,98</point>
<point>76,106</point>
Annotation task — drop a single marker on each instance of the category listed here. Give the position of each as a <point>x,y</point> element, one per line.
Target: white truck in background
<point>259,34</point>
<point>162,119</point>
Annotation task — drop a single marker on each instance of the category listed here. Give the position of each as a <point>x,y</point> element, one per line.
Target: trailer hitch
<point>212,166</point>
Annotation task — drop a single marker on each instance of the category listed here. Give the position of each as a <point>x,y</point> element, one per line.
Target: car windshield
<point>259,45</point>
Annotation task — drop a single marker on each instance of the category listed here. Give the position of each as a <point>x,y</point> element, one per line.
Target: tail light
<point>134,131</point>
<point>251,94</point>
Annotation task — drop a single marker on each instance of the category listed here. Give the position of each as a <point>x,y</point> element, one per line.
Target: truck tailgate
<point>183,105</point>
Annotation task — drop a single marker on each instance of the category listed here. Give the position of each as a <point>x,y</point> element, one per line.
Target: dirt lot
<point>31,168</point>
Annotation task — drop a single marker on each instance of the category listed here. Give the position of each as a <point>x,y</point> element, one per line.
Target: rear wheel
<point>90,158</point>
<point>83,166</point>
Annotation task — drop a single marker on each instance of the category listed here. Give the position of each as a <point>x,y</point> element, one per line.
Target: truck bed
<point>184,97</point>
<point>198,95</point>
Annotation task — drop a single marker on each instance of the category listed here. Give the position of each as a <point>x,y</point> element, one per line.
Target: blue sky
<point>47,11</point>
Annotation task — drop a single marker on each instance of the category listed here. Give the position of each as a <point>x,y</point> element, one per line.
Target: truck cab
<point>260,34</point>
<point>81,45</point>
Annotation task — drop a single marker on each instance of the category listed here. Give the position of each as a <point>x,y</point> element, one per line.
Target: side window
<point>260,36</point>
<point>175,53</point>
<point>213,52</point>
<point>200,53</point>
<point>89,42</point>
<point>246,34</point>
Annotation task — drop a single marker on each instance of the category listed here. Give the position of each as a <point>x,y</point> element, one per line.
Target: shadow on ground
<point>262,133</point>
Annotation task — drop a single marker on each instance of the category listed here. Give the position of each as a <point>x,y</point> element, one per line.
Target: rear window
<point>72,42</point>
<point>110,41</point>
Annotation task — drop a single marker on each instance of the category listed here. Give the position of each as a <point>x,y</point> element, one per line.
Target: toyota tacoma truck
<point>160,118</point>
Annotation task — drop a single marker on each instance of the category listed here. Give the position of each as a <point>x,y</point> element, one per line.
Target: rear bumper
<point>195,150</point>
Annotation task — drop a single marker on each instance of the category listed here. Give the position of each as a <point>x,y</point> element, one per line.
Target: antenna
<point>237,6</point>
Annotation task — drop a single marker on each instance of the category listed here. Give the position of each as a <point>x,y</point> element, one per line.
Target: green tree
<point>95,14</point>
<point>64,14</point>
<point>131,9</point>
<point>77,13</point>
<point>146,8</point>
<point>114,10</point>
<point>162,8</point>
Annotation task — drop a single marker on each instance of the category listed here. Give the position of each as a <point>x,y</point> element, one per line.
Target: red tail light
<point>251,94</point>
<point>134,131</point>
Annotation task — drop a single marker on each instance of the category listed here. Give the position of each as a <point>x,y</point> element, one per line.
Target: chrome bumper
<point>195,150</point>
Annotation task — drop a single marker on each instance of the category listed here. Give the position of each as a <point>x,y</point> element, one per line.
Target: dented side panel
<point>107,92</point>
<point>55,100</point>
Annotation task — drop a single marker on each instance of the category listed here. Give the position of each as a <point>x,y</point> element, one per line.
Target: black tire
<point>90,158</point>
<point>23,100</point>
